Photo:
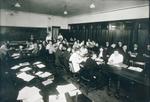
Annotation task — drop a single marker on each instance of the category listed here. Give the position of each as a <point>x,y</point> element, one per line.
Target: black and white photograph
<point>74,51</point>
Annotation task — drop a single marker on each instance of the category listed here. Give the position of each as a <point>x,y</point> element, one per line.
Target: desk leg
<point>131,97</point>
<point>117,95</point>
<point>108,88</point>
<point>109,83</point>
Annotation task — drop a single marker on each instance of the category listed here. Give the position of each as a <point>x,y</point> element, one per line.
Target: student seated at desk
<point>31,46</point>
<point>111,49</point>
<point>76,59</point>
<point>125,54</point>
<point>3,51</point>
<point>50,51</point>
<point>35,48</point>
<point>90,67</point>
<point>146,56</point>
<point>90,63</point>
<point>50,47</point>
<point>106,47</point>
<point>147,51</point>
<point>88,43</point>
<point>115,58</point>
<point>120,47</point>
<point>65,57</point>
<point>102,55</point>
<point>134,52</point>
<point>48,37</point>
<point>58,55</point>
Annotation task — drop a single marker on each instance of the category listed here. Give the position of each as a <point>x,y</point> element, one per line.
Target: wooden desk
<point>136,78</point>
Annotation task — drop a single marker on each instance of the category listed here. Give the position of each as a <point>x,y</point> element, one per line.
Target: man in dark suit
<point>125,54</point>
<point>90,69</point>
<point>102,54</point>
<point>147,51</point>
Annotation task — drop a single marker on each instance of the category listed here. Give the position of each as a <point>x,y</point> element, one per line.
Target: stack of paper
<point>30,94</point>
<point>57,98</point>
<point>15,55</point>
<point>65,88</point>
<point>47,82</point>
<point>45,74</point>
<point>15,67</point>
<point>140,63</point>
<point>137,69</point>
<point>124,65</point>
<point>25,69</point>
<point>24,64</point>
<point>38,73</point>
<point>37,62</point>
<point>40,65</point>
<point>73,93</point>
<point>25,76</point>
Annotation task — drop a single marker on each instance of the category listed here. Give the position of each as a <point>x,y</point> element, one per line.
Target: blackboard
<point>21,33</point>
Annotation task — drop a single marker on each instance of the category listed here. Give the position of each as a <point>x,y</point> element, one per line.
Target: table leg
<point>109,85</point>
<point>117,95</point>
<point>131,97</point>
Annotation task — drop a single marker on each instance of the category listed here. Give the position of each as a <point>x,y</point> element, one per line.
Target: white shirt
<point>50,48</point>
<point>100,54</point>
<point>75,58</point>
<point>31,47</point>
<point>115,59</point>
<point>60,37</point>
<point>49,37</point>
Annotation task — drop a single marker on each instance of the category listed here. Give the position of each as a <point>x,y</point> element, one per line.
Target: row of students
<point>102,52</point>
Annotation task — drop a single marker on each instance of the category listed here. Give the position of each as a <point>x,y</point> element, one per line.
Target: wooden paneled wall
<point>127,31</point>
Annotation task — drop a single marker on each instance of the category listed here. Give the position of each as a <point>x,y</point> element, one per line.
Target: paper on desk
<point>25,69</point>
<point>29,94</point>
<point>140,63</point>
<point>40,65</point>
<point>24,64</point>
<point>15,54</point>
<point>25,76</point>
<point>16,57</point>
<point>57,98</point>
<point>120,65</point>
<point>37,62</point>
<point>65,88</point>
<point>34,98</point>
<point>38,73</point>
<point>124,65</point>
<point>15,67</point>
<point>45,74</point>
<point>73,93</point>
<point>137,69</point>
<point>47,82</point>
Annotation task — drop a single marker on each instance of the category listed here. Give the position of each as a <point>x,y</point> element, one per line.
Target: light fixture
<point>65,9</point>
<point>17,5</point>
<point>65,12</point>
<point>92,5</point>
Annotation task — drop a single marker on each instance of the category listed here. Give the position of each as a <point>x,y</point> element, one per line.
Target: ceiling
<point>74,7</point>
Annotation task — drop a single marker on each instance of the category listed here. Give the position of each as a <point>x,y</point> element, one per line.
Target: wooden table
<point>135,78</point>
